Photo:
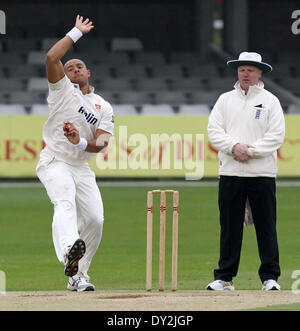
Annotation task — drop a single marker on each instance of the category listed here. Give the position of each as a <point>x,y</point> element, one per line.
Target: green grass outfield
<point>291,307</point>
<point>28,258</point>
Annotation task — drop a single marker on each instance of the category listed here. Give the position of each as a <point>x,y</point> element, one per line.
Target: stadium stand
<point>137,98</point>
<point>131,70</point>
<point>12,110</point>
<point>47,43</point>
<point>39,109</point>
<point>161,110</point>
<point>23,71</point>
<point>4,97</point>
<point>134,80</point>
<point>27,98</point>
<point>194,83</point>
<point>185,58</point>
<point>124,109</point>
<point>36,57</point>
<point>113,84</point>
<point>197,109</point>
<point>149,58</point>
<point>102,71</point>
<point>202,70</point>
<point>93,45</point>
<point>293,109</point>
<point>167,71</point>
<point>204,97</point>
<point>291,83</point>
<point>25,45</point>
<point>12,84</point>
<point>173,98</point>
<point>15,57</point>
<point>151,84</point>
<point>37,84</point>
<point>126,44</point>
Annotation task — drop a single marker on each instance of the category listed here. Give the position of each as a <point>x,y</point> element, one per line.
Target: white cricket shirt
<point>87,112</point>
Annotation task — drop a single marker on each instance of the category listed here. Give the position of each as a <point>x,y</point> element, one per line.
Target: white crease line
<point>142,184</point>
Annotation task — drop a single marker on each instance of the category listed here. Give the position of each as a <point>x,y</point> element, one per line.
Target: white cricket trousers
<point>78,207</point>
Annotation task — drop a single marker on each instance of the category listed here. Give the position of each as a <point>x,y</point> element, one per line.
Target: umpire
<point>247,127</point>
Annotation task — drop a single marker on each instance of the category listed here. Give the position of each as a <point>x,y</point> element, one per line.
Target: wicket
<point>162,240</point>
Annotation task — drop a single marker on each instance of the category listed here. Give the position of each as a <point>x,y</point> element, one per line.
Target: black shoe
<point>75,253</point>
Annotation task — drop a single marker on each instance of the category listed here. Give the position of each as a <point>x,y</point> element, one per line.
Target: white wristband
<point>82,144</point>
<point>75,34</point>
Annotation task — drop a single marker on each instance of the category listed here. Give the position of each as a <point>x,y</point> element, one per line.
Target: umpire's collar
<point>258,87</point>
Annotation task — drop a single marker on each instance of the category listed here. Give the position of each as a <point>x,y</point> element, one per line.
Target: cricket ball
<point>67,127</point>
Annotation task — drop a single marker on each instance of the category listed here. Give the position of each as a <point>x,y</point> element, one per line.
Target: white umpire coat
<point>255,118</point>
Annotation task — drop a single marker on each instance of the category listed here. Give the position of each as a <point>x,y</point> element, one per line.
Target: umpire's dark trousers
<point>261,192</point>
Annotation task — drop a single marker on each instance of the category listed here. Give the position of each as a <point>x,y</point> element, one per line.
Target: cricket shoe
<point>79,284</point>
<point>74,254</point>
<point>270,285</point>
<point>220,285</point>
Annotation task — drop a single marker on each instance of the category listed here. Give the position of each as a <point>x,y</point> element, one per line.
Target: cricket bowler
<point>79,125</point>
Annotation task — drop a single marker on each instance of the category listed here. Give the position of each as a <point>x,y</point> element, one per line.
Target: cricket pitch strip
<point>144,301</point>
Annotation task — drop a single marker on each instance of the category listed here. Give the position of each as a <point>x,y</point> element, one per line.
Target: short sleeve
<point>59,89</point>
<point>107,119</point>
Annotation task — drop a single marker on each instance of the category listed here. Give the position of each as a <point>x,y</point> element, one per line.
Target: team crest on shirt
<point>258,111</point>
<point>257,115</point>
<point>98,107</point>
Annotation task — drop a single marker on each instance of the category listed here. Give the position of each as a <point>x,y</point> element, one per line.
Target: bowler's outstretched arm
<point>54,67</point>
